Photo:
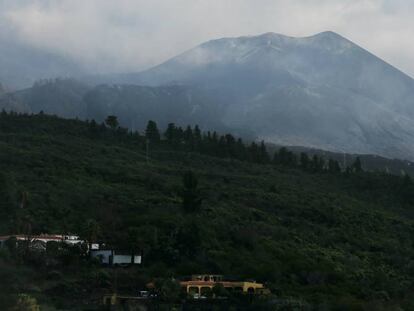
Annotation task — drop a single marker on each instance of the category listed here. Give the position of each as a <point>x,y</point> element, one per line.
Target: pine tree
<point>93,128</point>
<point>152,133</point>
<point>179,135</point>
<point>357,165</point>
<point>170,133</point>
<point>406,189</point>
<point>286,157</point>
<point>240,149</point>
<point>214,137</point>
<point>304,161</point>
<point>254,152</point>
<point>188,135</point>
<point>318,164</point>
<point>222,147</point>
<point>333,166</point>
<point>230,145</point>
<point>263,155</point>
<point>112,122</point>
<point>197,134</point>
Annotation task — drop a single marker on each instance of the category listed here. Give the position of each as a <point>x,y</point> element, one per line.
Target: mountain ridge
<point>325,72</point>
<point>321,91</point>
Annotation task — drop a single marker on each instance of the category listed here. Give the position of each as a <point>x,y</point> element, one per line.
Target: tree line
<point>192,139</point>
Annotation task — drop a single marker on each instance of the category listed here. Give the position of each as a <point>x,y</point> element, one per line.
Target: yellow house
<point>204,283</point>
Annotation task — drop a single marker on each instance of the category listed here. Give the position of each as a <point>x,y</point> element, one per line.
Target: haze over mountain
<point>321,91</point>
<point>22,64</point>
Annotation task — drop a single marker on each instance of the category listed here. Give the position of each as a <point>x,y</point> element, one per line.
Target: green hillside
<point>339,241</point>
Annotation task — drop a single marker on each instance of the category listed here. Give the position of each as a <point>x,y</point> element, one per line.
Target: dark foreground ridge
<point>313,233</point>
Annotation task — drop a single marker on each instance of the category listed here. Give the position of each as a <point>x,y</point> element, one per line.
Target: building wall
<point>110,257</point>
<point>138,259</point>
<point>121,259</point>
<point>104,255</point>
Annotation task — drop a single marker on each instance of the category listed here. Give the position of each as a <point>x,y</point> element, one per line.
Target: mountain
<point>133,105</point>
<point>321,91</point>
<point>63,97</point>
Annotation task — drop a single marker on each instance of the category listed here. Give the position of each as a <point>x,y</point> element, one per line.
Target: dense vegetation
<point>134,105</point>
<point>199,202</point>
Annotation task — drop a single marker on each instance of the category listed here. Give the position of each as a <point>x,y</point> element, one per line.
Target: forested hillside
<point>134,105</point>
<point>198,203</point>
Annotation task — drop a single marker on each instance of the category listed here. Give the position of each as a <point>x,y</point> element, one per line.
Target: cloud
<point>130,35</point>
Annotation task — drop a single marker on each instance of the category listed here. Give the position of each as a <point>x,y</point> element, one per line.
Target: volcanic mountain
<point>321,91</point>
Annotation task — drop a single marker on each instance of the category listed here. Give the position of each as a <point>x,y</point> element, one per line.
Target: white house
<point>40,241</point>
<point>112,257</point>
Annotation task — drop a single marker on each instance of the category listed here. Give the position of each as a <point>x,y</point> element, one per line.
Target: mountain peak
<point>319,91</point>
<point>274,35</point>
<point>329,36</point>
<point>327,33</point>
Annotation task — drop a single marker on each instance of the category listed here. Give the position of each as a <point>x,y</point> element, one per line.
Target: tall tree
<point>285,157</point>
<point>197,133</point>
<point>170,133</point>
<point>304,161</point>
<point>197,138</point>
<point>112,122</point>
<point>240,149</point>
<point>357,165</point>
<point>189,137</point>
<point>333,166</point>
<point>152,133</point>
<point>317,163</point>
<point>254,152</point>
<point>263,154</point>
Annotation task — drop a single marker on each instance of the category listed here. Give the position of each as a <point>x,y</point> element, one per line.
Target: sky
<point>132,35</point>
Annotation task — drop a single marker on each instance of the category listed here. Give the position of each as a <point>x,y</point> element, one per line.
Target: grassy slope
<point>317,236</point>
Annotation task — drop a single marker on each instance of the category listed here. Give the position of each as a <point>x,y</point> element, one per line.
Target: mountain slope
<point>321,91</point>
<point>337,239</point>
<point>133,105</point>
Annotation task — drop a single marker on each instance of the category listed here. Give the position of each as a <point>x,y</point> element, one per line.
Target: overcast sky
<point>129,35</point>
